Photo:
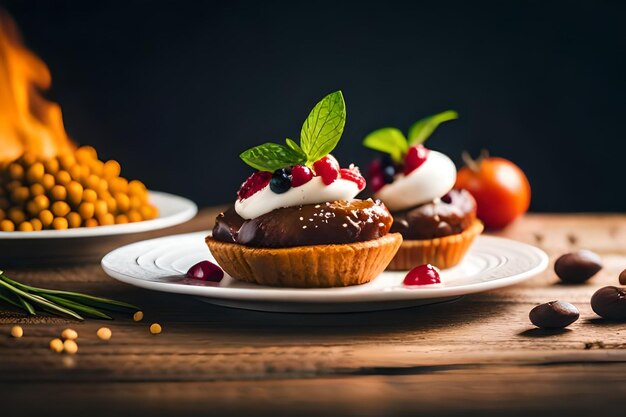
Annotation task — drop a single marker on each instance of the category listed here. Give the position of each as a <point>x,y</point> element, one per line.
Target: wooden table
<point>478,356</point>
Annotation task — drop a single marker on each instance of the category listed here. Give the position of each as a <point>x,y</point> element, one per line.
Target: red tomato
<point>501,189</point>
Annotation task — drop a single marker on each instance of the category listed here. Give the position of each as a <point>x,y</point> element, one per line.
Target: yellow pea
<point>17,215</point>
<point>86,210</point>
<point>59,223</point>
<point>69,334</point>
<point>16,171</point>
<point>35,172</point>
<point>92,182</point>
<point>106,219</point>
<point>60,208</point>
<point>74,192</point>
<point>48,182</point>
<point>17,332</point>
<point>75,172</point>
<point>37,189</point>
<point>121,219</point>
<point>46,218</point>
<point>138,316</point>
<point>7,225</point>
<point>25,227</point>
<point>56,345</point>
<point>91,222</point>
<point>104,333</point>
<point>155,328</point>
<point>67,161</point>
<point>119,185</point>
<point>111,169</point>
<point>123,202</point>
<point>136,187</point>
<point>135,202</point>
<point>90,195</point>
<point>58,193</point>
<point>37,225</point>
<point>42,202</point>
<point>20,194</point>
<point>51,165</point>
<point>31,208</point>
<point>101,208</point>
<point>63,177</point>
<point>70,346</point>
<point>85,154</point>
<point>134,216</point>
<point>111,204</point>
<point>74,220</point>
<point>96,166</point>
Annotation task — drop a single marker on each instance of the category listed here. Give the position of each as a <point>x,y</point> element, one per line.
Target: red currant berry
<point>300,175</point>
<point>376,182</point>
<point>353,175</point>
<point>414,158</point>
<point>422,275</point>
<point>205,271</point>
<point>327,168</point>
<point>254,183</point>
<point>374,168</point>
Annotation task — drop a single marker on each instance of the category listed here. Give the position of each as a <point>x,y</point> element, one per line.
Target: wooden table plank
<point>477,356</point>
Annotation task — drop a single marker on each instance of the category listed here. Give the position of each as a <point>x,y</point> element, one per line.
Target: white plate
<point>173,210</point>
<point>160,264</point>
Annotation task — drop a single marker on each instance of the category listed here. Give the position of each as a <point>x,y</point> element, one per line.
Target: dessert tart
<point>296,222</point>
<point>438,224</point>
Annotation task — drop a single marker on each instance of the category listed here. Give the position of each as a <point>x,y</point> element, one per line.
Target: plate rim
<point>327,295</point>
<point>189,210</point>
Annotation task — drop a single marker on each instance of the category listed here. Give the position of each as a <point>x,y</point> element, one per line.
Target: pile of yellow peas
<point>71,190</point>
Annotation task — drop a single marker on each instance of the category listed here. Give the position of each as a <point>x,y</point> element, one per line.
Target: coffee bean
<point>554,315</point>
<point>622,277</point>
<point>577,267</point>
<point>610,303</point>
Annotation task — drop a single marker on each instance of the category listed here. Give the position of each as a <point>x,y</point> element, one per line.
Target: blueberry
<point>388,173</point>
<point>281,181</point>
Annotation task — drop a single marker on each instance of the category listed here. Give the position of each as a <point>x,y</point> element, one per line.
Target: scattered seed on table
<point>138,316</point>
<point>56,345</point>
<point>70,346</point>
<point>155,328</point>
<point>104,333</point>
<point>69,334</point>
<point>17,331</point>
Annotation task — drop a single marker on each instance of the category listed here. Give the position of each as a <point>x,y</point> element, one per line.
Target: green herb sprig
<point>319,135</point>
<point>61,303</point>
<point>393,142</point>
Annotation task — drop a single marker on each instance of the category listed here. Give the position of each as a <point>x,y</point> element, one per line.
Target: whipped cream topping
<point>314,191</point>
<point>430,181</point>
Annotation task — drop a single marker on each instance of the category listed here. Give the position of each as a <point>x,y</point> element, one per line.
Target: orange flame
<point>28,122</point>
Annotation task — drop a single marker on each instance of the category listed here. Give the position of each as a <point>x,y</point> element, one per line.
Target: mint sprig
<point>393,142</point>
<point>319,135</point>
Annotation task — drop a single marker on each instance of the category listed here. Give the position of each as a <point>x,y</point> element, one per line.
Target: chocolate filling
<point>452,214</point>
<point>338,222</point>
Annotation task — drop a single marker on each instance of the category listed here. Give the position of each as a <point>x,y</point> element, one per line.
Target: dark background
<point>176,90</point>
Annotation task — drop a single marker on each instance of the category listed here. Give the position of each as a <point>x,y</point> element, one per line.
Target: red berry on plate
<point>374,168</point>
<point>376,182</point>
<point>353,175</point>
<point>205,271</point>
<point>300,175</point>
<point>422,275</point>
<point>254,183</point>
<point>327,168</point>
<point>414,158</point>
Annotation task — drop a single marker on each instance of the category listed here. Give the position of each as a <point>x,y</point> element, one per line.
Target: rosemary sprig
<point>64,303</point>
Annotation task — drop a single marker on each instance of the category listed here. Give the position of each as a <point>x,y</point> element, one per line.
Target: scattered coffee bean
<point>622,277</point>
<point>554,315</point>
<point>610,303</point>
<point>577,267</point>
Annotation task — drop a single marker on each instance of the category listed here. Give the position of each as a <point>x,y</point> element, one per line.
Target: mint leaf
<point>271,156</point>
<point>389,140</point>
<point>295,147</point>
<point>323,127</point>
<point>422,129</point>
